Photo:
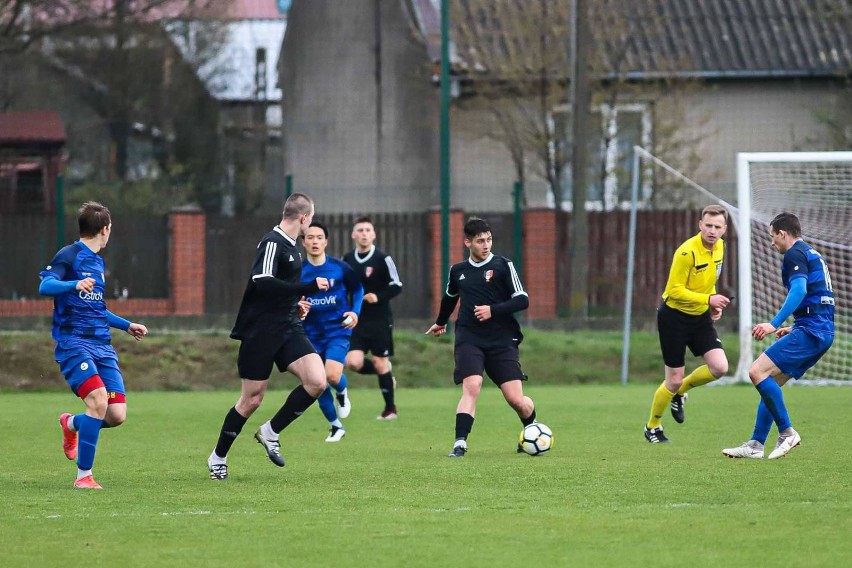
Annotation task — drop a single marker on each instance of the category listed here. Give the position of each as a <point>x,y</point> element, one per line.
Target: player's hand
<point>322,283</point>
<point>304,308</point>
<point>137,330</point>
<point>761,330</point>
<point>779,333</point>
<point>715,314</point>
<point>436,330</point>
<point>86,284</point>
<point>371,298</point>
<point>718,301</point>
<point>482,313</point>
<point>352,316</point>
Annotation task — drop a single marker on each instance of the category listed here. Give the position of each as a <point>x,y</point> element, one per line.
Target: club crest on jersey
<point>368,271</point>
<point>488,275</point>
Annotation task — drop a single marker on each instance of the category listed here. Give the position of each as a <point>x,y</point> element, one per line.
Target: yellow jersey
<point>693,276</point>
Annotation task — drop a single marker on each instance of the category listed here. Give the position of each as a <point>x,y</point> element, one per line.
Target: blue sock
<point>341,386</point>
<point>326,404</point>
<point>771,394</point>
<point>89,430</point>
<point>762,423</point>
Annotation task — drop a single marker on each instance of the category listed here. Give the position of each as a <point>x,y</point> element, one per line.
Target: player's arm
<point>353,288</point>
<point>137,330</point>
<point>394,285</point>
<point>51,286</point>
<point>519,300</point>
<point>263,275</point>
<point>448,304</point>
<point>797,293</point>
<point>52,278</point>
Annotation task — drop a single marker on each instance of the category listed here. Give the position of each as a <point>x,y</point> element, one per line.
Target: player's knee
<point>96,402</point>
<point>115,420</point>
<point>719,369</point>
<point>315,386</point>
<point>248,404</point>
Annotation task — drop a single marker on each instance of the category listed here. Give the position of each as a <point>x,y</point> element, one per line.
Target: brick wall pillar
<point>187,261</point>
<point>439,279</point>
<point>539,270</point>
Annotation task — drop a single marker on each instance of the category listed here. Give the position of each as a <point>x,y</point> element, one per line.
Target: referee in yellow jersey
<point>685,319</point>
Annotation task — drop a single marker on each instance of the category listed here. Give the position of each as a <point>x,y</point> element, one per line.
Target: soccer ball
<point>536,439</point>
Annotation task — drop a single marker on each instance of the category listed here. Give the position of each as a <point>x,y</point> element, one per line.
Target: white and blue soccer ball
<point>536,439</point>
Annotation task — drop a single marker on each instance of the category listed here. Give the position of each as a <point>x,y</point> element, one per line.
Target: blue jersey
<point>816,311</point>
<point>77,313</point>
<point>345,294</point>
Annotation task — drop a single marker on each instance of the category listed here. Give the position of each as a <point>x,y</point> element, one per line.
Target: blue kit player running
<point>81,323</point>
<point>333,314</point>
<point>810,301</point>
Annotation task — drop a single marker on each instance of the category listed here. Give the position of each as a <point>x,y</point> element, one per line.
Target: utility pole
<point>580,116</point>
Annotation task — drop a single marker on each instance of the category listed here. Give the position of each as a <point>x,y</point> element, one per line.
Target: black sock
<point>386,386</point>
<point>464,424</point>
<point>231,428</point>
<point>367,368</point>
<point>296,404</point>
<point>529,419</point>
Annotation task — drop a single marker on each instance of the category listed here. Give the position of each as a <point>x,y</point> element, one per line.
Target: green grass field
<point>387,495</point>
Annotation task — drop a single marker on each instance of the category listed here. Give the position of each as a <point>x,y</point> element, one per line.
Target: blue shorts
<point>332,348</point>
<point>798,351</point>
<point>79,360</point>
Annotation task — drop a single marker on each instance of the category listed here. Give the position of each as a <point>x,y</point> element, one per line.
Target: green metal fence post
<point>288,184</point>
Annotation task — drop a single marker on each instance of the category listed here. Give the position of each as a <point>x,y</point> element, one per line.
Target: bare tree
<point>120,59</point>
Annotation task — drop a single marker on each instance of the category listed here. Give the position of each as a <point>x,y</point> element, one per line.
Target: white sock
<point>70,423</point>
<point>267,432</point>
<point>215,459</point>
<point>337,423</point>
<point>462,443</point>
<point>81,473</point>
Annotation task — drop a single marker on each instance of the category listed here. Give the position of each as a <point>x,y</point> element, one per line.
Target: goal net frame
<point>744,245</point>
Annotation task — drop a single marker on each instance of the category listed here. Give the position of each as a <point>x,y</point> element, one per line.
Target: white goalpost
<point>816,187</point>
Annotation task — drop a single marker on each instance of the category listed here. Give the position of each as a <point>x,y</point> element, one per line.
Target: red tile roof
<point>32,126</point>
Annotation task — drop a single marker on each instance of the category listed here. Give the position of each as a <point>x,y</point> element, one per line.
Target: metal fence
<point>138,255</point>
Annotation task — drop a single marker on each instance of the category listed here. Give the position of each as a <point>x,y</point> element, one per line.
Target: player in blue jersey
<point>81,322</point>
<point>329,323</point>
<point>810,300</point>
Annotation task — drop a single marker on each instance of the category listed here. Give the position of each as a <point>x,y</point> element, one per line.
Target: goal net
<point>816,187</point>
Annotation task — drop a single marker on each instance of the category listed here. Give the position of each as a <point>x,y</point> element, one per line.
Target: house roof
<point>644,39</point>
<point>40,126</point>
<point>733,38</point>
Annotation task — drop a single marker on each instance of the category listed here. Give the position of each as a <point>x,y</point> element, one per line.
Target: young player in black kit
<point>487,334</point>
<point>374,332</point>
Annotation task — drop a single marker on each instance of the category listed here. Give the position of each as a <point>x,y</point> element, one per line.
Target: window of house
<point>614,132</point>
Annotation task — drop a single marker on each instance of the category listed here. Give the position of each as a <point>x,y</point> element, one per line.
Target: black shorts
<point>374,337</point>
<point>501,363</point>
<point>257,354</point>
<point>679,330</point>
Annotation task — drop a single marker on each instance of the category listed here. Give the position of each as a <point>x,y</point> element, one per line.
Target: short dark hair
<point>787,222</point>
<point>363,219</point>
<point>475,226</point>
<point>321,226</point>
<point>91,218</point>
<point>714,210</point>
<point>296,205</point>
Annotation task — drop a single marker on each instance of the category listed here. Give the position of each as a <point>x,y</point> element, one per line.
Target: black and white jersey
<point>379,276</point>
<point>270,302</point>
<point>493,282</point>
